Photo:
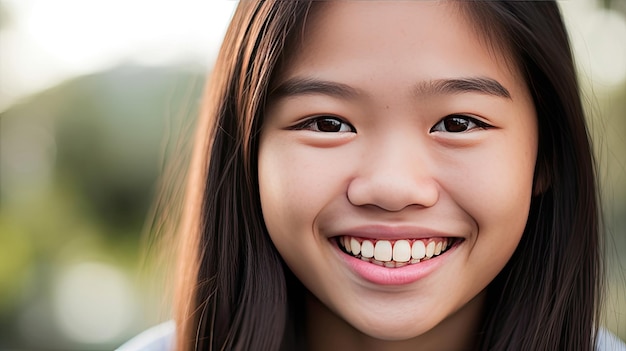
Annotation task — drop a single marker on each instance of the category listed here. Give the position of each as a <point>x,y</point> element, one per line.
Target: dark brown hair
<point>234,293</point>
<point>548,295</point>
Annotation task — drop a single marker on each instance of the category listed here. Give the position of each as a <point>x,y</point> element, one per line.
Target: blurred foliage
<point>607,121</point>
<point>4,17</point>
<point>619,5</point>
<point>79,164</point>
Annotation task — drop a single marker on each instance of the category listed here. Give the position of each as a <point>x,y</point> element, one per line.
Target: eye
<point>458,124</point>
<point>326,124</point>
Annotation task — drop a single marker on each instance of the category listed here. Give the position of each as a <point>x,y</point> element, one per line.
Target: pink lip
<point>393,276</point>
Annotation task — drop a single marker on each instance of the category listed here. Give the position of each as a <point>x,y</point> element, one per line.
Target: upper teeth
<point>393,253</point>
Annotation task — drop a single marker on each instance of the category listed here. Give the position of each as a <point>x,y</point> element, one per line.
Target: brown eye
<point>327,125</point>
<point>458,124</point>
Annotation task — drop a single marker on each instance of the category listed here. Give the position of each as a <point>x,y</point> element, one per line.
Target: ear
<point>543,177</point>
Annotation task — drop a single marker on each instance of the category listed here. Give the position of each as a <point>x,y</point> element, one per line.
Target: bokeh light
<point>94,303</point>
<point>599,41</point>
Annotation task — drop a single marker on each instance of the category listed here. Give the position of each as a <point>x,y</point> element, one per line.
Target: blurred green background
<point>93,96</point>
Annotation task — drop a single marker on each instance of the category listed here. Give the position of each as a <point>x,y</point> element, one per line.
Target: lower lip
<point>393,276</point>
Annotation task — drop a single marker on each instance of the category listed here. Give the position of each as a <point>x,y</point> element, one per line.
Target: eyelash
<point>313,125</point>
<point>464,121</point>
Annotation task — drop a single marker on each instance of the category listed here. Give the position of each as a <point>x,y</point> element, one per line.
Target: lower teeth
<point>393,264</point>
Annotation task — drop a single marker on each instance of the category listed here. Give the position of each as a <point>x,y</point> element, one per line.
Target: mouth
<point>395,253</point>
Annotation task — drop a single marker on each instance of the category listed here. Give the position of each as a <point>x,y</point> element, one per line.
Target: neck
<point>327,331</point>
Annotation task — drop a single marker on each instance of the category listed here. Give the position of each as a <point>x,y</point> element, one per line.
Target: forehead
<point>437,38</point>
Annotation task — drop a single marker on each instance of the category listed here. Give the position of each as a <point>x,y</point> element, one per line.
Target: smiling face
<point>396,167</point>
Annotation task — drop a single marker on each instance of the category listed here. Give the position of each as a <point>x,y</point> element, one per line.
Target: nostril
<point>393,193</point>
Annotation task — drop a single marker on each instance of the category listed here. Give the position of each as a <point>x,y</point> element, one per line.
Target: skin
<point>390,163</point>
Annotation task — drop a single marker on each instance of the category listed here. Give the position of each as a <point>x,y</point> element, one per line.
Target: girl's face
<point>396,165</point>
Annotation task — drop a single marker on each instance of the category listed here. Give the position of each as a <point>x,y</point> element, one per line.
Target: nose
<point>393,177</point>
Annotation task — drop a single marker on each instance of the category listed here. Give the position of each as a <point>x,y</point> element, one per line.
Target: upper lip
<point>386,232</point>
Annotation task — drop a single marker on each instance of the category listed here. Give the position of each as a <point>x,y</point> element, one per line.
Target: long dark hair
<point>234,291</point>
<point>548,295</point>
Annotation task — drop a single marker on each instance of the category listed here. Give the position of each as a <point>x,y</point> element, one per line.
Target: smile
<point>394,253</point>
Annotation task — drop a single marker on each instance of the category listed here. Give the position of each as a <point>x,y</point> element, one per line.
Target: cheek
<point>277,186</point>
<point>295,184</point>
<point>494,187</point>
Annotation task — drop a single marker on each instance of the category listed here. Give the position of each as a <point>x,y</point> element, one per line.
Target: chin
<point>394,330</point>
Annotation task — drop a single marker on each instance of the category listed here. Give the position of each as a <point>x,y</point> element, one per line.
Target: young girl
<point>408,175</point>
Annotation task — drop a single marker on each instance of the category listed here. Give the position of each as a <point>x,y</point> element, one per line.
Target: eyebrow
<point>480,85</point>
<point>305,86</point>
